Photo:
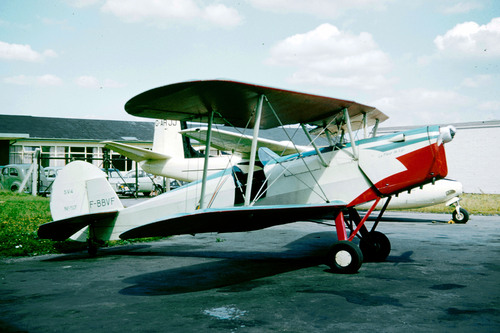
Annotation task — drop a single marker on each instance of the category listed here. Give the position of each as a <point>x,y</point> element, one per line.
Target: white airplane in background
<point>168,157</point>
<point>443,191</point>
<point>255,195</point>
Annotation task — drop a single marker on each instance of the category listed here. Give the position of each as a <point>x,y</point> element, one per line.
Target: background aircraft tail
<point>167,140</point>
<point>82,188</point>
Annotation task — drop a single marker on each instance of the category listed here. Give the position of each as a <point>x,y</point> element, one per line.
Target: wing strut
<point>205,164</point>
<point>322,160</point>
<point>374,130</point>
<point>351,135</point>
<point>253,151</point>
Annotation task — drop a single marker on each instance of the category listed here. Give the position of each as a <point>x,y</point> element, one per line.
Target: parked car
<point>147,182</point>
<point>51,172</point>
<point>13,176</point>
<point>117,180</point>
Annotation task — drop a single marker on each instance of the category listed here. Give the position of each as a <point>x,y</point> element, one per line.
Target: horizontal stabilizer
<point>232,219</point>
<point>135,153</point>
<point>62,229</point>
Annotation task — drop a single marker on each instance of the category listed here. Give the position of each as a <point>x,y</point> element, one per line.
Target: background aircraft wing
<point>232,219</point>
<point>333,123</point>
<point>234,142</point>
<point>234,103</point>
<point>134,153</point>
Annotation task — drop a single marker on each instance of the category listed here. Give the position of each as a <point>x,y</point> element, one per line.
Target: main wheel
<point>344,257</point>
<point>375,246</point>
<point>461,217</point>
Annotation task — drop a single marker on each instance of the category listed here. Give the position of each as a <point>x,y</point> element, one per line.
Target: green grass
<point>479,204</point>
<point>20,217</point>
<point>21,214</point>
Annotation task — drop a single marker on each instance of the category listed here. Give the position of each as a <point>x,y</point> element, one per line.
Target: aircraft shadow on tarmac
<point>236,271</point>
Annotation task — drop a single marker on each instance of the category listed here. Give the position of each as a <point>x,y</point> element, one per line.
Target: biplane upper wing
<point>229,141</point>
<point>134,153</point>
<point>232,219</point>
<point>234,103</point>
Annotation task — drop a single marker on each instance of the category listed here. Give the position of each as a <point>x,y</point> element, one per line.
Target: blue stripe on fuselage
<point>382,147</point>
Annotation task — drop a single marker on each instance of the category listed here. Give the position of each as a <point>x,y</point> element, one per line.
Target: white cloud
<point>320,8</point>
<point>88,81</point>
<point>462,7</point>
<point>477,81</point>
<point>221,15</point>
<point>43,80</point>
<point>328,56</point>
<point>49,80</point>
<point>82,3</point>
<point>471,39</point>
<point>163,12</point>
<point>23,52</point>
<point>423,106</point>
<point>490,106</point>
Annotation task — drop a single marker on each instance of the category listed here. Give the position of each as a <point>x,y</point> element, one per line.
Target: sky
<point>418,61</point>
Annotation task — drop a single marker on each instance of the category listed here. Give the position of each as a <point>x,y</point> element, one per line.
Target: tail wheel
<point>344,257</point>
<point>92,247</point>
<point>375,246</point>
<point>460,217</point>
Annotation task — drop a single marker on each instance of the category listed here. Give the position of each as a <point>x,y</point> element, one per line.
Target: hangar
<point>472,155</point>
<point>65,139</point>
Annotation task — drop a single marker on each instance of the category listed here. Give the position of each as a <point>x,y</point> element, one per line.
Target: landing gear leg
<point>93,243</point>
<point>374,245</point>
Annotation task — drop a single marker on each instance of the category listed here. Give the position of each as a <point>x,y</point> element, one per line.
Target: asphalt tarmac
<point>439,277</point>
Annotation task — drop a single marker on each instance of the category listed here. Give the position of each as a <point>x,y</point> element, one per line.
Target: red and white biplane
<point>267,189</point>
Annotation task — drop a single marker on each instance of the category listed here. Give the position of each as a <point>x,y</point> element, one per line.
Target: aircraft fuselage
<point>376,167</point>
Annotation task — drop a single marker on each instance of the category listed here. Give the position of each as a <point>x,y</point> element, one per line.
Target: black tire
<point>344,257</point>
<point>375,247</point>
<point>92,248</point>
<point>463,217</point>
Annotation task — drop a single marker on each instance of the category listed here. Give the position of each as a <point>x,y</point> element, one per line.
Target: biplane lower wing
<point>62,229</point>
<point>233,219</point>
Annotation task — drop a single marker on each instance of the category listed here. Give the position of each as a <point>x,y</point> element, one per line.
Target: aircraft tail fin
<point>167,140</point>
<point>82,188</point>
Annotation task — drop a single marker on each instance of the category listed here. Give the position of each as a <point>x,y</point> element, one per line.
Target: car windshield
<point>114,174</point>
<point>140,173</point>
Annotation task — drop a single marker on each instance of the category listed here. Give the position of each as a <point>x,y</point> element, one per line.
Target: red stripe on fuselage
<point>422,166</point>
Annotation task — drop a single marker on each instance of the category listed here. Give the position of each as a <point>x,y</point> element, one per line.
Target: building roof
<point>15,127</point>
